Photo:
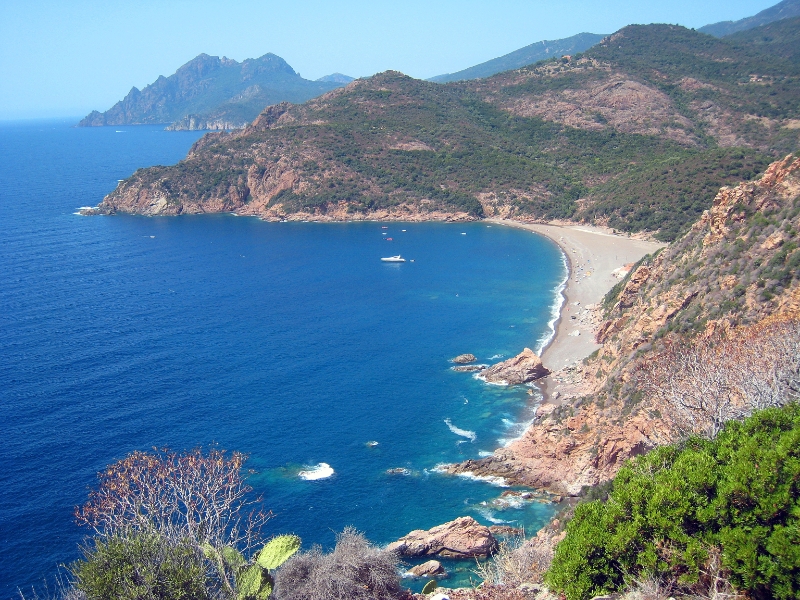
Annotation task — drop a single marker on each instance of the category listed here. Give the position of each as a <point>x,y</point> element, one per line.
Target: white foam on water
<point>470,435</point>
<point>514,502</point>
<point>485,453</point>
<point>489,516</point>
<point>496,356</point>
<point>320,471</point>
<point>480,377</point>
<point>516,431</point>
<point>555,309</point>
<point>490,479</point>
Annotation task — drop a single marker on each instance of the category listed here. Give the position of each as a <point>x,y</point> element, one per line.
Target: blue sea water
<point>290,342</point>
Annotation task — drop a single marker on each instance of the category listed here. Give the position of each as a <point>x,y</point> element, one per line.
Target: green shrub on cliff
<point>675,509</point>
<point>141,566</point>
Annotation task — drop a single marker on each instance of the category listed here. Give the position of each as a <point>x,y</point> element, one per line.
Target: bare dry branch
<point>700,385</point>
<point>196,495</point>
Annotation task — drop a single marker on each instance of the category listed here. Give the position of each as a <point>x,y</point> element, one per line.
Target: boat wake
<point>470,435</point>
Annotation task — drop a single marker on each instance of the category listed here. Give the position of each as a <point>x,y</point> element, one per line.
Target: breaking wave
<point>555,309</point>
<point>320,471</point>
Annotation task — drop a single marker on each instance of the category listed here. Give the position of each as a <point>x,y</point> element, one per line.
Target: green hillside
<point>638,132</point>
<point>781,39</point>
<point>524,56</point>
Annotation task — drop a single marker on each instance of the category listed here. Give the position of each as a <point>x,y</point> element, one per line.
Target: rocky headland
<point>734,269</point>
<point>512,146</point>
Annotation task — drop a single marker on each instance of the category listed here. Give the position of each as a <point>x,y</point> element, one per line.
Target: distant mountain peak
<point>209,92</point>
<point>782,10</point>
<point>336,78</point>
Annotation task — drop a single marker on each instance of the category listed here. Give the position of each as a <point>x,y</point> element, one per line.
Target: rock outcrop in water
<point>430,568</point>
<point>523,368</point>
<point>463,359</point>
<point>462,538</point>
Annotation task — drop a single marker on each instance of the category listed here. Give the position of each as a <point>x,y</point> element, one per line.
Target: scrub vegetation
<point>637,133</point>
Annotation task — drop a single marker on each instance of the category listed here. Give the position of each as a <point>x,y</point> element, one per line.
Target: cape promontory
<point>210,92</point>
<point>638,133</point>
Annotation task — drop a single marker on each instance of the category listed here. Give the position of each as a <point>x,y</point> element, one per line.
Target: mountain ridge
<point>782,10</point>
<point>524,56</point>
<point>581,42</point>
<point>637,134</point>
<point>210,92</point>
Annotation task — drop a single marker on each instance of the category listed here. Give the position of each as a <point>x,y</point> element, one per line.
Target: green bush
<point>141,566</point>
<point>670,507</point>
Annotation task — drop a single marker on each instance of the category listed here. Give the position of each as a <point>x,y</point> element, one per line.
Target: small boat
<point>397,258</point>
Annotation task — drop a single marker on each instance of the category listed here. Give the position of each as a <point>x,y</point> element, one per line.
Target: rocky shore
<point>561,453</point>
<point>461,538</point>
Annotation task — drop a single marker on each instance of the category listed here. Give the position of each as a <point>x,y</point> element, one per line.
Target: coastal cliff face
<point>638,134</point>
<point>738,267</point>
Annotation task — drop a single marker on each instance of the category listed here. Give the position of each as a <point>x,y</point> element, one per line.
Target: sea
<point>290,342</point>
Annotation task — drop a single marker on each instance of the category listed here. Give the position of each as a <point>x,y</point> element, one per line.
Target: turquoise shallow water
<point>290,342</point>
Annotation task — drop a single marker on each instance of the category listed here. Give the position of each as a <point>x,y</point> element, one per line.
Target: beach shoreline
<point>596,260</point>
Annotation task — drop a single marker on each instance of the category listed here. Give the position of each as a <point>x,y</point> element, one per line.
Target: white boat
<point>397,258</point>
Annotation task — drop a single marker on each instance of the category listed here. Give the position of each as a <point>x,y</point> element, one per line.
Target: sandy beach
<point>596,259</point>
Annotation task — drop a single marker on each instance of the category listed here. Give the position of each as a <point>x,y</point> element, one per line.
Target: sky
<point>64,58</point>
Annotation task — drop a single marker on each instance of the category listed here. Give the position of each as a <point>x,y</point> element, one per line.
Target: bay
<point>291,342</point>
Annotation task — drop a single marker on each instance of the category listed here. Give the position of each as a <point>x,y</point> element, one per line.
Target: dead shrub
<point>355,570</point>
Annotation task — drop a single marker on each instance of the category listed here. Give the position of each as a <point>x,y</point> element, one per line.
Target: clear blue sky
<point>67,57</point>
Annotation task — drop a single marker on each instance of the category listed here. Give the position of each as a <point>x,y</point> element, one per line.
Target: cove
<point>291,342</point>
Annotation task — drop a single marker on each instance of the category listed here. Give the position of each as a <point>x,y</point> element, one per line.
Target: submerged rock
<point>461,538</point>
<point>470,368</point>
<point>398,471</point>
<point>506,531</point>
<point>463,359</point>
<point>523,368</point>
